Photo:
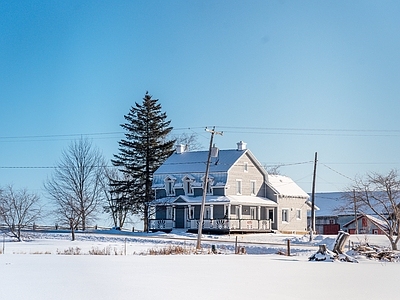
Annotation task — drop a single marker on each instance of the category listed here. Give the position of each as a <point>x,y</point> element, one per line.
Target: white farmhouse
<point>240,195</point>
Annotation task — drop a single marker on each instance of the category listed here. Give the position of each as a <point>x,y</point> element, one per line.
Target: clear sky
<point>290,78</point>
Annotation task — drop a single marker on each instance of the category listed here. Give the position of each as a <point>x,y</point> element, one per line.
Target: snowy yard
<point>33,270</point>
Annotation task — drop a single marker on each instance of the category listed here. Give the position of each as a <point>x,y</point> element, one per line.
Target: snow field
<point>25,275</point>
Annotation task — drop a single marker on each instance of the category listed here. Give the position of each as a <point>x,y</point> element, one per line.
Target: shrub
<point>170,250</point>
<point>70,251</point>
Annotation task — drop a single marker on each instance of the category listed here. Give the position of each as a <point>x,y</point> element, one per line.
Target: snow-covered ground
<point>36,269</point>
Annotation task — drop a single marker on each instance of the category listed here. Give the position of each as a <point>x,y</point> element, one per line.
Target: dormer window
<point>187,185</point>
<point>169,186</point>
<point>209,184</point>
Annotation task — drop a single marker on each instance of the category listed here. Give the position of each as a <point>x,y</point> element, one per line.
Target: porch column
<point>228,214</point>
<point>189,210</point>
<point>211,211</point>
<point>258,213</point>
<point>240,216</point>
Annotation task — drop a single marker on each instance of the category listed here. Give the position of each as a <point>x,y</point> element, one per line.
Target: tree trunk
<point>71,224</point>
<point>19,232</point>
<point>146,218</point>
<point>340,242</point>
<point>394,245</point>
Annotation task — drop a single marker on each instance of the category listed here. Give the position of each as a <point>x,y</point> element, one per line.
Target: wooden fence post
<point>236,246</point>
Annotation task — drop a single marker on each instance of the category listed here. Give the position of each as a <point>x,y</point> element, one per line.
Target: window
<point>187,186</point>
<point>238,186</point>
<point>271,215</point>
<point>170,213</point>
<point>298,214</point>
<point>246,166</point>
<point>253,187</point>
<point>285,215</point>
<point>169,186</point>
<point>209,185</point>
<point>253,213</point>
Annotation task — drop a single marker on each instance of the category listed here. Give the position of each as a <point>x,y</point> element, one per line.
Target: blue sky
<point>290,78</point>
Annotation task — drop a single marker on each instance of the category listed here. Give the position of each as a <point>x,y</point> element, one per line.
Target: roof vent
<point>180,148</point>
<point>241,145</point>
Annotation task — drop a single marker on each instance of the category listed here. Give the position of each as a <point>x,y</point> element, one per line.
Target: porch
<point>214,226</point>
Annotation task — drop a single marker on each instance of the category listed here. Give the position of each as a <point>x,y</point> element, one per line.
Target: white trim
<point>286,219</point>
<point>239,187</point>
<point>253,185</point>
<point>169,186</point>
<point>298,214</point>
<point>187,185</point>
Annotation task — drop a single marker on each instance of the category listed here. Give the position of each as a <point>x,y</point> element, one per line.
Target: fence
<point>38,227</point>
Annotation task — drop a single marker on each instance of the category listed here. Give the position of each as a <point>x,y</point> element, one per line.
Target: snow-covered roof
<point>333,204</point>
<point>196,161</point>
<point>192,165</point>
<point>235,200</point>
<point>373,219</point>
<point>285,186</point>
<point>251,200</point>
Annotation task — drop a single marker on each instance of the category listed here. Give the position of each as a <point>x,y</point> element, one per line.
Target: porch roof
<point>235,200</point>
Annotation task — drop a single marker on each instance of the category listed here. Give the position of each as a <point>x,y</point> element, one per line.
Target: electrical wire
<point>229,129</point>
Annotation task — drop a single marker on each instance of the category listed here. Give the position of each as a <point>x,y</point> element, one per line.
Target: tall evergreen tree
<point>143,150</point>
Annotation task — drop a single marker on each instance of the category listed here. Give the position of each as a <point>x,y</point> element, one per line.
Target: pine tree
<point>143,150</point>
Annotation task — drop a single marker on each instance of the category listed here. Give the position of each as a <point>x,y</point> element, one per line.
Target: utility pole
<point>312,229</point>
<point>355,210</point>
<point>205,183</point>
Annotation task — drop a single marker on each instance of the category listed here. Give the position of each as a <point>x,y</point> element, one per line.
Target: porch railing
<point>161,224</point>
<point>215,224</point>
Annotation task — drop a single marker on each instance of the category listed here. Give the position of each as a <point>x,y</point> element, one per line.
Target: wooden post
<point>355,210</point>
<point>288,247</point>
<point>236,246</point>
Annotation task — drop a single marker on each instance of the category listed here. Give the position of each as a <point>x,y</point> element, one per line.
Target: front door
<point>180,217</point>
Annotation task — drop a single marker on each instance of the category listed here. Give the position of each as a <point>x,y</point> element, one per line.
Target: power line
<point>58,135</point>
<point>396,131</point>
<point>235,129</point>
<point>341,174</point>
<point>47,167</point>
<point>287,164</point>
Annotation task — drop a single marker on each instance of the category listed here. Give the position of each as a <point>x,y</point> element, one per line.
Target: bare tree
<point>189,140</point>
<point>18,209</point>
<point>118,204</point>
<point>379,194</point>
<point>75,185</point>
<point>273,169</point>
